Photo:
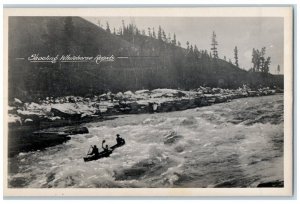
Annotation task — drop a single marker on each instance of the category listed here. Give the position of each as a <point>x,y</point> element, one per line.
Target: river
<point>234,144</point>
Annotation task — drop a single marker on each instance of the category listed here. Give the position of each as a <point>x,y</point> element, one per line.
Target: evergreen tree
<point>196,52</point>
<point>123,26</point>
<point>262,59</point>
<point>169,38</point>
<point>159,33</point>
<point>214,44</point>
<point>153,31</point>
<point>236,56</point>
<point>266,65</point>
<point>120,31</point>
<point>107,27</point>
<point>206,53</point>
<point>164,37</point>
<point>191,49</point>
<point>187,45</point>
<point>255,60</point>
<point>174,39</point>
<point>149,32</point>
<point>126,32</point>
<point>278,69</point>
<point>137,32</point>
<point>260,64</point>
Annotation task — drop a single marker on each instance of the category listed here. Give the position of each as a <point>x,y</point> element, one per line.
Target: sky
<point>244,32</point>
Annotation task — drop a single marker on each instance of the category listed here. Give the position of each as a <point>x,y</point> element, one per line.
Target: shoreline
<point>21,137</point>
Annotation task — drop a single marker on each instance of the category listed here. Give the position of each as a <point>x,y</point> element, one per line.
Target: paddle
<point>103,143</point>
<point>89,150</point>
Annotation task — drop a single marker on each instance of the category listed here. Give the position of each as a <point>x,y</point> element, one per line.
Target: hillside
<point>148,63</point>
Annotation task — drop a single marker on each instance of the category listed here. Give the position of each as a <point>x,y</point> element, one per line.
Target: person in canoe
<point>120,140</point>
<point>95,154</point>
<point>95,151</point>
<point>105,149</point>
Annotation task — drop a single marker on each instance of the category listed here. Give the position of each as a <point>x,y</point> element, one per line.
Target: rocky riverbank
<point>62,111</point>
<point>50,121</point>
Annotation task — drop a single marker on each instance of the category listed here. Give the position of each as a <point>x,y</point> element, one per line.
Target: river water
<point>234,144</point>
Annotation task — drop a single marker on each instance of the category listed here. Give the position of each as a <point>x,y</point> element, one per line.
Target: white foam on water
<point>177,149</point>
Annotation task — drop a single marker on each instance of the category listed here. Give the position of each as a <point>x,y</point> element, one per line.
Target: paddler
<point>120,140</point>
<point>95,150</point>
<point>105,149</point>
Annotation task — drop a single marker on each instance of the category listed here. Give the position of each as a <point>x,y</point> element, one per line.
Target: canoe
<point>117,145</point>
<point>98,156</point>
<point>102,154</point>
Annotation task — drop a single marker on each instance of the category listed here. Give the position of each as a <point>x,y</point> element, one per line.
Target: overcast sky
<point>246,33</point>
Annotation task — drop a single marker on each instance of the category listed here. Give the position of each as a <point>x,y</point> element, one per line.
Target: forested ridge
<point>144,59</point>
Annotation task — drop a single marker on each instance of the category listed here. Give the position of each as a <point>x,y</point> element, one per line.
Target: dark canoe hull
<point>102,154</point>
<point>96,157</point>
<point>116,146</point>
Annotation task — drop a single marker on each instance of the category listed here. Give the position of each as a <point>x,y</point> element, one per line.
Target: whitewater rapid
<point>235,144</point>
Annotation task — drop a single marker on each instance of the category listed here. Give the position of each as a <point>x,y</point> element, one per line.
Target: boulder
<point>63,131</point>
<point>220,98</point>
<point>18,102</point>
<point>128,93</point>
<point>216,90</point>
<point>71,100</point>
<point>24,114</point>
<point>28,121</point>
<point>14,119</point>
<point>65,114</point>
<point>12,109</point>
<point>76,130</point>
<point>180,94</point>
<point>137,108</point>
<point>210,98</point>
<point>184,104</point>
<point>119,96</point>
<point>112,110</point>
<point>167,106</point>
<point>145,91</point>
<point>54,118</point>
<point>252,93</point>
<point>201,101</point>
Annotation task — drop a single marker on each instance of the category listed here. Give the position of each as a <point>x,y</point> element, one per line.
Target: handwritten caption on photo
<point>70,58</point>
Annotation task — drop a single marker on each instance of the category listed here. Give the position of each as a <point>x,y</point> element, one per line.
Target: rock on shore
<point>75,108</point>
